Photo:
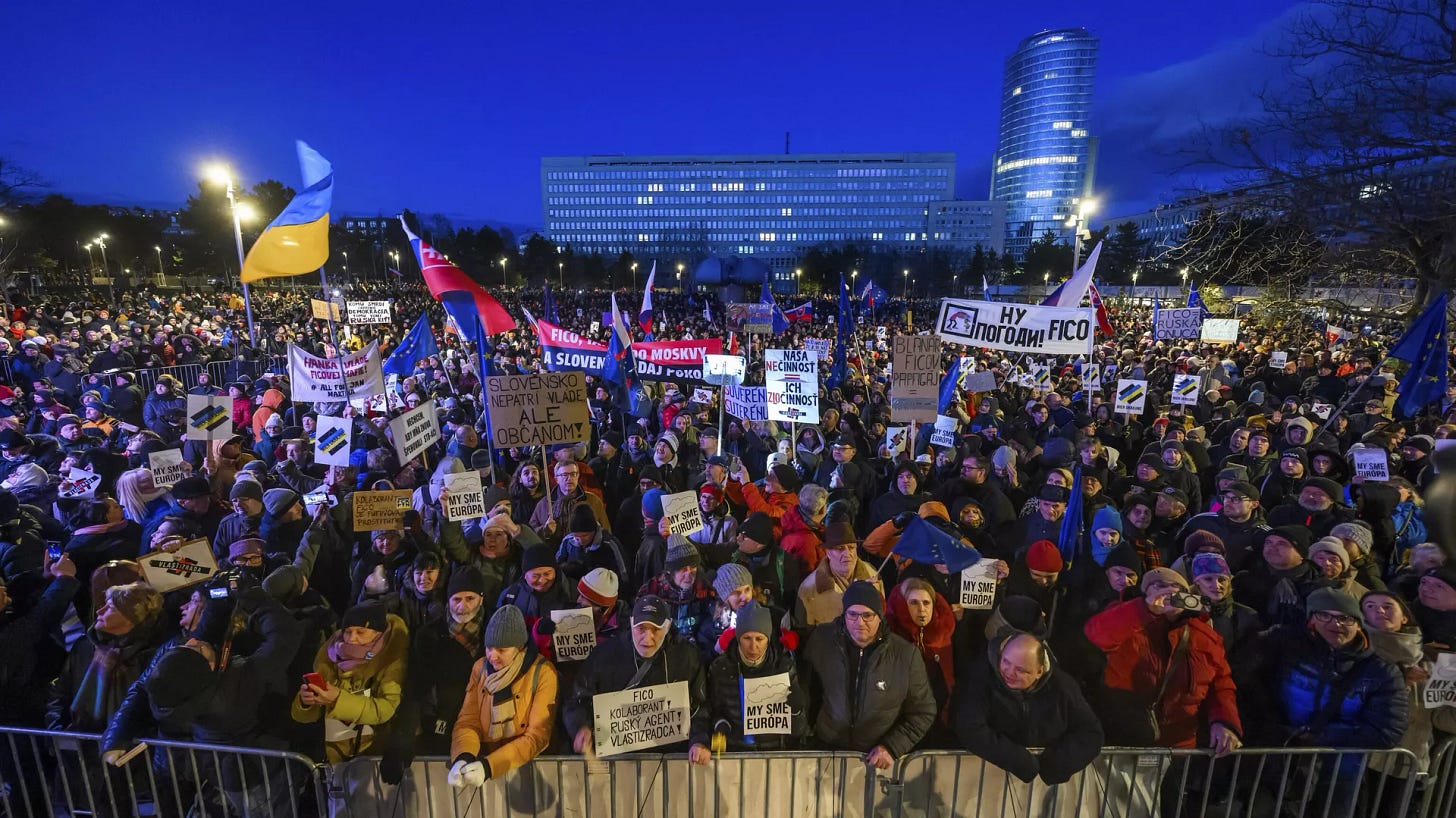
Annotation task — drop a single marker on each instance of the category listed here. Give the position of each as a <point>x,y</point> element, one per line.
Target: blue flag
<point>548,305</point>
<point>1072,520</point>
<point>1196,300</point>
<point>840,370</point>
<point>780,321</point>
<point>1424,346</point>
<point>949,384</point>
<point>930,545</point>
<point>415,347</point>
<point>619,367</point>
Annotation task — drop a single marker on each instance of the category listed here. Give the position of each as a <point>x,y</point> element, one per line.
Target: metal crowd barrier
<point>47,773</point>
<point>1438,800</point>
<point>186,373</point>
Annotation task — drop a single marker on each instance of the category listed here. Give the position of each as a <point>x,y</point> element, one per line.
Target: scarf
<point>347,656</point>
<point>467,633</point>
<point>502,703</point>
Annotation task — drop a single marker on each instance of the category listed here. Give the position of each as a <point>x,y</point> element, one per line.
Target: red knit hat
<point>599,587</point>
<point>1043,556</point>
<point>710,490</point>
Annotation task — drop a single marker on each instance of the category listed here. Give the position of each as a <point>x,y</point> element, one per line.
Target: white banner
<point>724,370</point>
<point>414,431</point>
<point>188,565</point>
<point>166,467</point>
<point>791,378</point>
<point>945,431</point>
<point>369,312</point>
<point>575,636</point>
<point>1132,394</point>
<point>332,441</point>
<point>464,497</point>
<point>318,380</point>
<point>78,484</point>
<point>1441,687</point>
<point>1278,358</point>
<point>746,402</point>
<point>640,718</point>
<point>684,515</point>
<point>1017,327</point>
<point>818,346</point>
<point>914,378</point>
<point>1220,331</point>
<point>209,417</point>
<point>766,709</point>
<point>1185,390</point>
<point>1178,323</point>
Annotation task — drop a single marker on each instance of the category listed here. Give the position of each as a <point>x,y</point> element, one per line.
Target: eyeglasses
<point>1343,620</point>
<point>568,474</point>
<point>870,616</point>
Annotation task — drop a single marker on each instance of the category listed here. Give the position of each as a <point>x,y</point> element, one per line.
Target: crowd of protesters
<point>1235,583</point>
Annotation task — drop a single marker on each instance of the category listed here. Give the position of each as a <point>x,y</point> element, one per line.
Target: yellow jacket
<point>534,695</point>
<point>368,695</point>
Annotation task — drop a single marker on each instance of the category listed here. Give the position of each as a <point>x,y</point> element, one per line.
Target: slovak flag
<point>644,316</point>
<point>1103,323</point>
<point>456,290</point>
<point>803,312</point>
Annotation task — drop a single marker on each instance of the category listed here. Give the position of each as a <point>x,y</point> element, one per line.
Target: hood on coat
<point>942,620</point>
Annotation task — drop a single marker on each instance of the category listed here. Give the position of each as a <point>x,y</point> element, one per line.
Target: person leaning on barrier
<point>752,653</point>
<point>363,668</point>
<point>1018,699</point>
<point>509,710</point>
<point>868,691</point>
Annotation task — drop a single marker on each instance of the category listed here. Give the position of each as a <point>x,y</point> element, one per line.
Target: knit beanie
<point>583,521</point>
<point>1164,575</point>
<point>537,556</point>
<point>681,553</point>
<point>246,490</point>
<point>730,577</point>
<point>1044,556</point>
<point>1203,539</point>
<point>1123,556</point>
<point>277,501</point>
<point>466,579</point>
<point>1333,600</point>
<point>787,477</point>
<point>1331,545</point>
<point>1358,533</point>
<point>1297,535</point>
<point>1333,490</point>
<point>178,675</point>
<point>864,592</point>
<point>371,615</point>
<point>248,546</point>
<point>1209,564</point>
<point>755,618</point>
<point>758,527</point>
<point>599,587</point>
<point>506,629</point>
<point>285,583</point>
<point>1106,517</point>
<point>652,504</point>
<point>139,602</point>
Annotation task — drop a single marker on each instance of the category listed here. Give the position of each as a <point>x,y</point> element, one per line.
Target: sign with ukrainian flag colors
<point>209,417</point>
<point>297,242</point>
<point>1092,376</point>
<point>1132,395</point>
<point>332,441</point>
<point>1185,390</point>
<point>1041,376</point>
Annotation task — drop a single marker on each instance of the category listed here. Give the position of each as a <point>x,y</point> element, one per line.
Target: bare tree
<point>17,184</point>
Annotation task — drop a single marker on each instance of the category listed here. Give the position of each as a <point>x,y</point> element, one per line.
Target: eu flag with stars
<point>929,545</point>
<point>1424,346</point>
<point>415,347</point>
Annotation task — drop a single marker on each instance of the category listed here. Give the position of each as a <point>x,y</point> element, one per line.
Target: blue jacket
<point>1306,672</point>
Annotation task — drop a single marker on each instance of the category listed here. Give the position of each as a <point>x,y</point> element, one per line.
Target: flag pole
<point>334,336</point>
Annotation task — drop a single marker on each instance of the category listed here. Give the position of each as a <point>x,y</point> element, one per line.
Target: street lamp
<point>160,270</point>
<point>91,256</point>
<point>679,276</point>
<point>634,278</point>
<point>346,261</point>
<point>953,279</point>
<point>219,174</point>
<point>503,272</point>
<point>1046,282</point>
<point>105,268</point>
<point>1084,209</point>
<point>561,275</point>
<point>1134,283</point>
<point>905,287</point>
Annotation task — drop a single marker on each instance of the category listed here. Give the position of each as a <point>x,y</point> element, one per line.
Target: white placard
<point>746,402</point>
<point>1278,358</point>
<point>312,378</point>
<point>791,381</point>
<point>414,431</point>
<point>818,346</point>
<point>1024,328</point>
<point>1092,376</point>
<point>897,440</point>
<point>1371,464</point>
<point>1185,390</point>
<point>978,586</point>
<point>945,431</point>
<point>166,467</point>
<point>575,636</point>
<point>464,497</point>
<point>209,417</point>
<point>1441,687</point>
<point>1132,394</point>
<point>914,378</point>
<point>703,397</point>
<point>1220,331</point>
<point>1041,377</point>
<point>723,370</point>
<point>78,484</point>
<point>188,565</point>
<point>332,441</point>
<point>766,709</point>
<point>684,515</point>
<point>640,718</point>
<point>1178,323</point>
<point>983,381</point>
<point>1322,410</point>
<point>369,312</point>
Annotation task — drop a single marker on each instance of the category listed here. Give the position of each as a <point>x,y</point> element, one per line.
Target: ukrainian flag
<point>297,242</point>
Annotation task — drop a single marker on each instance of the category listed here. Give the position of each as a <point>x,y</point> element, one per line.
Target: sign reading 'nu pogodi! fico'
<point>1017,327</point>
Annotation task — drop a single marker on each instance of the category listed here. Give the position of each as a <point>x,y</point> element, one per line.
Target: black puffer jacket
<point>615,663</point>
<point>725,699</point>
<point>864,697</point>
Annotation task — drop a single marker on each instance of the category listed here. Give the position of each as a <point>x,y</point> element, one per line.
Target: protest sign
<point>818,346</point>
<point>674,360</point>
<point>1041,377</point>
<point>318,379</point>
<point>1178,323</point>
<point>703,397</point>
<point>464,497</point>
<point>1132,394</point>
<point>415,431</point>
<point>1185,390</point>
<point>746,402</point>
<point>1017,327</point>
<point>1092,376</point>
<point>325,310</point>
<point>1441,687</point>
<point>381,509</point>
<point>882,333</point>
<point>537,410</point>
<point>1278,358</point>
<point>332,441</point>
<point>724,370</point>
<point>78,484</point>
<point>682,512</point>
<point>563,350</point>
<point>575,636</point>
<point>369,312</point>
<point>978,586</point>
<point>1322,410</point>
<point>166,467</point>
<point>945,429</point>
<point>791,378</point>
<point>766,709</point>
<point>1371,464</point>
<point>897,440</point>
<point>639,718</point>
<point>983,381</point>
<point>190,564</point>
<point>751,318</point>
<point>1220,331</point>
<point>209,417</point>
<point>914,378</point>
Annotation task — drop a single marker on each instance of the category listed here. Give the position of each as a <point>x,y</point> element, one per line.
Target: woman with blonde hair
<point>138,495</point>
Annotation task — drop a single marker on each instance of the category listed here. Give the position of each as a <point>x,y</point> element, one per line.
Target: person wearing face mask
<point>509,710</point>
<point>752,653</point>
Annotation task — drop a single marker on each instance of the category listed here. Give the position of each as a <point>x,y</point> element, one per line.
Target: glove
<point>546,625</point>
<point>391,768</point>
<point>903,519</point>
<point>468,773</point>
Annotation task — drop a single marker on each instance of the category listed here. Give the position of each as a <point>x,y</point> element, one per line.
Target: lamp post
<point>222,176</point>
<point>634,278</point>
<point>503,272</point>
<point>1134,283</point>
<point>1184,274</point>
<point>905,286</point>
<point>91,266</point>
<point>1084,209</point>
<point>105,269</point>
<point>346,262</point>
<point>1046,283</point>
<point>679,276</point>
<point>798,273</point>
<point>161,271</point>
<point>953,279</point>
<point>560,275</point>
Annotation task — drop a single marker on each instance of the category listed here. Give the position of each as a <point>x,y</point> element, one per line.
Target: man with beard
<point>1239,522</point>
<point>973,481</point>
<point>1318,507</point>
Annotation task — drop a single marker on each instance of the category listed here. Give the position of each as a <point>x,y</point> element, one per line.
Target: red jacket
<point>774,505</point>
<point>1202,688</point>
<point>801,541</point>
<point>933,641</point>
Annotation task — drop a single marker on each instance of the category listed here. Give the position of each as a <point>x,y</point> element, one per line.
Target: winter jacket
<point>31,655</point>
<point>861,698</point>
<point>1402,649</point>
<point>932,641</point>
<point>369,694</point>
<point>615,666</point>
<point>506,745</point>
<point>1139,645</point>
<point>1000,724</point>
<point>1278,596</point>
<point>775,505</point>
<point>801,539</point>
<point>821,592</point>
<point>439,668</point>
<point>96,676</point>
<point>163,414</point>
<point>776,575</point>
<point>725,699</point>
<point>688,609</point>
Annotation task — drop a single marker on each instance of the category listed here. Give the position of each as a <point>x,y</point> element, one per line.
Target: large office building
<point>1044,156</point>
<point>772,206</point>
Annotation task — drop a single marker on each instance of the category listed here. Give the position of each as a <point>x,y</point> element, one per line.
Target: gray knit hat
<point>755,618</point>
<point>285,583</point>
<point>681,553</point>
<point>246,488</point>
<point>277,501</point>
<point>729,577</point>
<point>1357,533</point>
<point>506,629</point>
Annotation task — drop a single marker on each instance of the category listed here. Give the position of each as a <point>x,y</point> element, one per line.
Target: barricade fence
<point>63,774</point>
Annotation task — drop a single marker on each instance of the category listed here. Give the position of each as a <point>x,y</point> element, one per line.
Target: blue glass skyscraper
<point>1044,156</point>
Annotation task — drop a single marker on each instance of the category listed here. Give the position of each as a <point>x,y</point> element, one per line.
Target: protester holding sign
<point>772,720</point>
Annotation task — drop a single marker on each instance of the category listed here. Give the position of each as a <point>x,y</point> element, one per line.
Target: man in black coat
<point>1018,699</point>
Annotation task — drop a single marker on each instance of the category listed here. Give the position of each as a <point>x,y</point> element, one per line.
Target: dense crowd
<point>1232,583</point>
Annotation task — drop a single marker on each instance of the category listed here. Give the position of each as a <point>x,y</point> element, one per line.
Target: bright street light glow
<point>246,212</point>
<point>217,173</point>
